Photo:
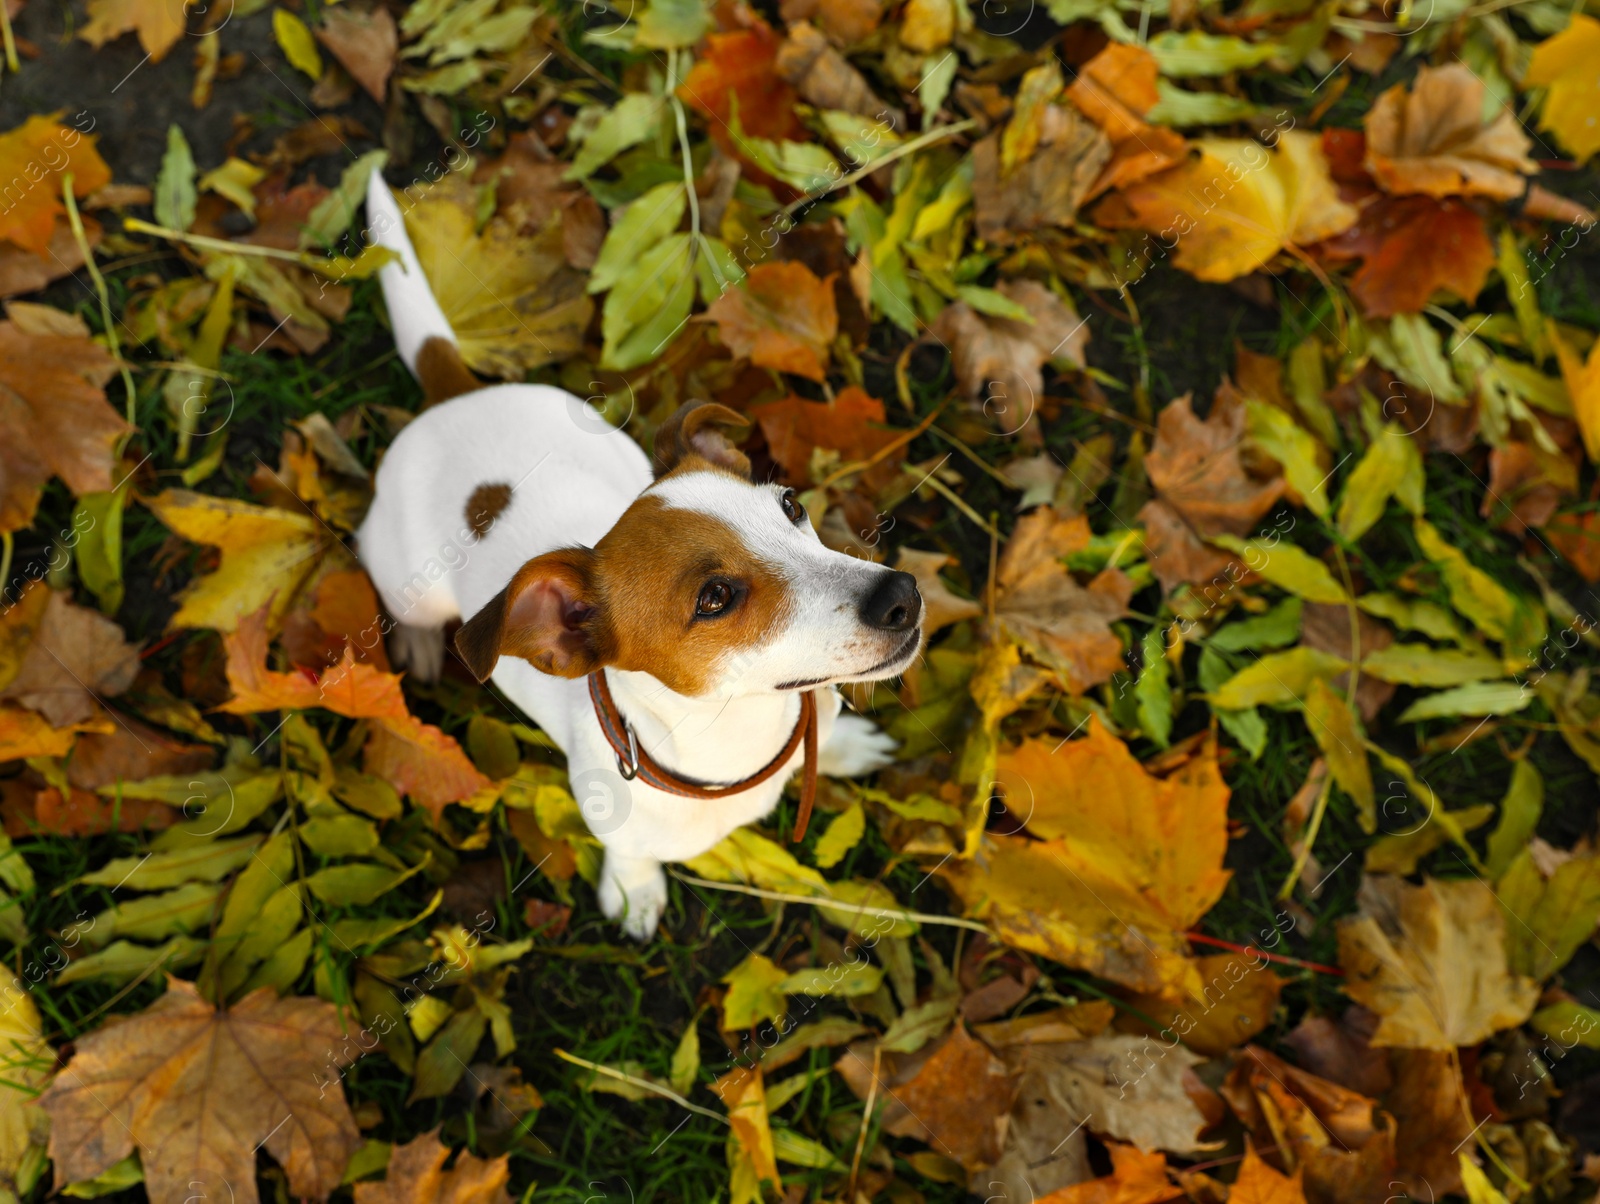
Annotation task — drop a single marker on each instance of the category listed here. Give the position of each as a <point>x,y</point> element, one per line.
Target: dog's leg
<point>855,746</point>
<point>634,890</point>
<point>418,649</point>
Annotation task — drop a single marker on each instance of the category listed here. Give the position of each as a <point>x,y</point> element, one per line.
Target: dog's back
<point>477,485</point>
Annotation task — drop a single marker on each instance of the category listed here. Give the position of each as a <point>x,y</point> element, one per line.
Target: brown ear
<point>548,615</point>
<point>700,429</point>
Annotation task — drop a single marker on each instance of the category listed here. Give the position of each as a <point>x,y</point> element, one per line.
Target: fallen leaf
<point>76,657</point>
<point>1237,997</point>
<point>365,44</point>
<point>781,317</point>
<point>1411,248</point>
<point>1551,910</point>
<point>940,607</point>
<point>82,813</point>
<point>1135,1178</point>
<point>26,1064</point>
<point>198,1091</point>
<point>1435,1119</point>
<point>1258,1183</point>
<point>1526,485</point>
<point>38,153</point>
<point>416,1175</point>
<point>24,271</point>
<point>845,21</point>
<point>511,299</point>
<point>1115,89</point>
<point>953,1094</point>
<point>419,760</point>
<point>53,409</point>
<point>1045,189</point>
<point>852,424</point>
<point>1430,961</point>
<point>1340,1051</point>
<point>158,23</point>
<point>820,73</point>
<point>1434,139</point>
<point>349,688</point>
<point>1563,66</point>
<point>1231,209</point>
<point>739,69</point>
<point>1582,379</point>
<point>750,1147</point>
<point>1064,625</point>
<point>999,361</point>
<point>1109,890</point>
<point>130,752</point>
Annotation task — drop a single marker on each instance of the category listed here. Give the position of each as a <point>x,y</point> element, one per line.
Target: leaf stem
<point>887,913</point>
<point>112,342</point>
<point>641,1084</point>
<point>938,134</point>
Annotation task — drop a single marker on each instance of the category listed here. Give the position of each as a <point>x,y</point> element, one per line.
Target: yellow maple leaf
<point>159,23</point>
<point>1229,211</point>
<point>33,157</point>
<point>1582,379</point>
<point>1109,888</point>
<point>1564,67</point>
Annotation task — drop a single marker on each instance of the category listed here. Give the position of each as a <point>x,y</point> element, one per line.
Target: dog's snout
<point>894,603</point>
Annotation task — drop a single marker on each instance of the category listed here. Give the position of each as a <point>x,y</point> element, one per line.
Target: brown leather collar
<point>633,761</point>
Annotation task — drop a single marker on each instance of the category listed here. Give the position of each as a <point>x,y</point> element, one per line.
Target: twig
<point>112,342</point>
<point>866,1121</point>
<point>642,1084</point>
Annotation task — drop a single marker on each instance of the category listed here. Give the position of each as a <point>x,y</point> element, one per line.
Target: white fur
<point>572,477</point>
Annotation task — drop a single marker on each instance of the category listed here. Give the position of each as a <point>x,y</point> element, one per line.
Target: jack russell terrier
<point>678,633</point>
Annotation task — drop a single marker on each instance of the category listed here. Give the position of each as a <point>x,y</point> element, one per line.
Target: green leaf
<point>1288,567</point>
<point>123,961</point>
<point>755,993</point>
<point>1479,698</point>
<point>1548,919</point>
<point>119,1176</point>
<point>357,884</point>
<point>155,917</point>
<point>284,968</point>
<point>627,123</point>
<point>1276,679</point>
<point>1334,728</point>
<point>1425,665</point>
<point>269,930</point>
<point>334,213</point>
<point>1391,467</point>
<point>1569,1024</point>
<point>1292,446</point>
<point>175,193</point>
<point>918,1025</point>
<point>15,871</point>
<point>382,1014</point>
<point>355,933</point>
<point>339,835</point>
<point>271,867</point>
<point>234,181</point>
<point>1183,109</point>
<point>649,304</point>
<point>1198,53</point>
<point>365,793</point>
<point>1307,384</point>
<point>672,24</point>
<point>1277,628</point>
<point>832,1030</point>
<point>797,1150</point>
<point>1154,689</point>
<point>1411,614</point>
<point>1400,852</point>
<point>840,979</point>
<point>445,1058</point>
<point>215,804</point>
<point>860,139</point>
<point>98,519</point>
<point>644,223</point>
<point>296,42</point>
<point>686,1058</point>
<point>1245,726</point>
<point>370,1160</point>
<point>1519,816</point>
<point>1413,350</point>
<point>199,862</point>
<point>843,834</point>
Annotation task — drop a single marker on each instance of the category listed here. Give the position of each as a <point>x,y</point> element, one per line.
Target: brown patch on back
<point>442,372</point>
<point>487,503</point>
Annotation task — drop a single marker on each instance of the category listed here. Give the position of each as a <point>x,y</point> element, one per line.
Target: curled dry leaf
<point>76,656</point>
<point>1000,360</point>
<point>1111,890</point>
<point>1047,188</point>
<point>416,1175</point>
<point>781,317</point>
<point>1434,140</point>
<point>822,75</point>
<point>1430,961</point>
<point>1115,90</point>
<point>197,1091</point>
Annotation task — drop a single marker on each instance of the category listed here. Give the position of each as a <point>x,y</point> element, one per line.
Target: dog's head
<point>709,582</point>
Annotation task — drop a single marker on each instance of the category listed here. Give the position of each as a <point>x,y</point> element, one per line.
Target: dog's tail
<point>422,334</point>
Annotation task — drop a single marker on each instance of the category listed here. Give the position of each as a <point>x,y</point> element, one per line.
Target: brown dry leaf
<point>782,317</point>
<point>1527,485</point>
<point>1196,469</point>
<point>1135,1178</point>
<point>852,424</point>
<point>365,43</point>
<point>159,23</point>
<point>54,412</point>
<point>1115,89</point>
<point>1340,1051</point>
<point>530,191</point>
<point>198,1091</point>
<point>1411,248</point>
<point>1111,890</point>
<point>1325,627</point>
<point>1577,537</point>
<point>1046,189</point>
<point>76,657</point>
<point>823,76</point>
<point>131,752</point>
<point>350,688</point>
<point>1430,961</point>
<point>416,1175</point>
<point>35,156</point>
<point>418,759</point>
<point>1342,1144</point>
<point>25,271</point>
<point>952,1093</point>
<point>1064,625</point>
<point>81,813</point>
<point>1435,1119</point>
<point>1258,1183</point>
<point>999,361</point>
<point>1236,205</point>
<point>940,607</point>
<point>1434,140</point>
<point>1178,555</point>
<point>844,21</point>
<point>1237,998</point>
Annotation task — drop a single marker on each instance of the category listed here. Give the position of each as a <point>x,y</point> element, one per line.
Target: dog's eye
<point>792,509</point>
<point>715,597</point>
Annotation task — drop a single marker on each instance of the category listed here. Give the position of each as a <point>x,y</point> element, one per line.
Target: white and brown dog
<point>676,633</point>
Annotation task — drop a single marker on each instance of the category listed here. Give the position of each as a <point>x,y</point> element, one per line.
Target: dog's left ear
<point>701,428</point>
<point>549,615</point>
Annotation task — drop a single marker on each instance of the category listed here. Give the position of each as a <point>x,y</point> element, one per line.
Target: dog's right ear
<point>700,428</point>
<point>549,615</point>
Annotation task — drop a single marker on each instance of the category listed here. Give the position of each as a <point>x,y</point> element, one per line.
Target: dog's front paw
<point>636,895</point>
<point>419,650</point>
<point>857,746</point>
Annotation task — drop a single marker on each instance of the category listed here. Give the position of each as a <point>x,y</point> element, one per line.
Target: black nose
<point>894,603</point>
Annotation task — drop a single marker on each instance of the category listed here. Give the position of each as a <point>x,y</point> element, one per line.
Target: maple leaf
<point>343,614</point>
<point>1236,205</point>
<point>53,410</point>
<point>1582,379</point>
<point>416,1175</point>
<point>1048,186</point>
<point>197,1091</point>
<point>1111,890</point>
<point>1135,1178</point>
<point>418,759</point>
<point>25,733</point>
<point>365,44</point>
<point>1564,66</point>
<point>1527,485</point>
<point>76,656</point>
<point>511,299</point>
<point>349,688</point>
<point>38,153</point>
<point>1430,961</point>
<point>1115,89</point>
<point>1413,247</point>
<point>853,424</point>
<point>1434,139</point>
<point>740,69</point>
<point>782,317</point>
<point>1064,625</point>
<point>1258,1183</point>
<point>1000,360</point>
<point>1237,999</point>
<point>159,23</point>
<point>267,555</point>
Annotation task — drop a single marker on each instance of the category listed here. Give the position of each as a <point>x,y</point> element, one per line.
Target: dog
<point>678,630</point>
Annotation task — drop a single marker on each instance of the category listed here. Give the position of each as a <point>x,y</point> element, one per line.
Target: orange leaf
<point>80,813</point>
<point>24,733</point>
<point>1434,139</point>
<point>741,68</point>
<point>851,424</point>
<point>1135,1178</point>
<point>33,157</point>
<point>1116,88</point>
<point>418,759</point>
<point>416,1175</point>
<point>1258,1183</point>
<point>782,317</point>
<point>1413,247</point>
<point>159,23</point>
<point>350,688</point>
